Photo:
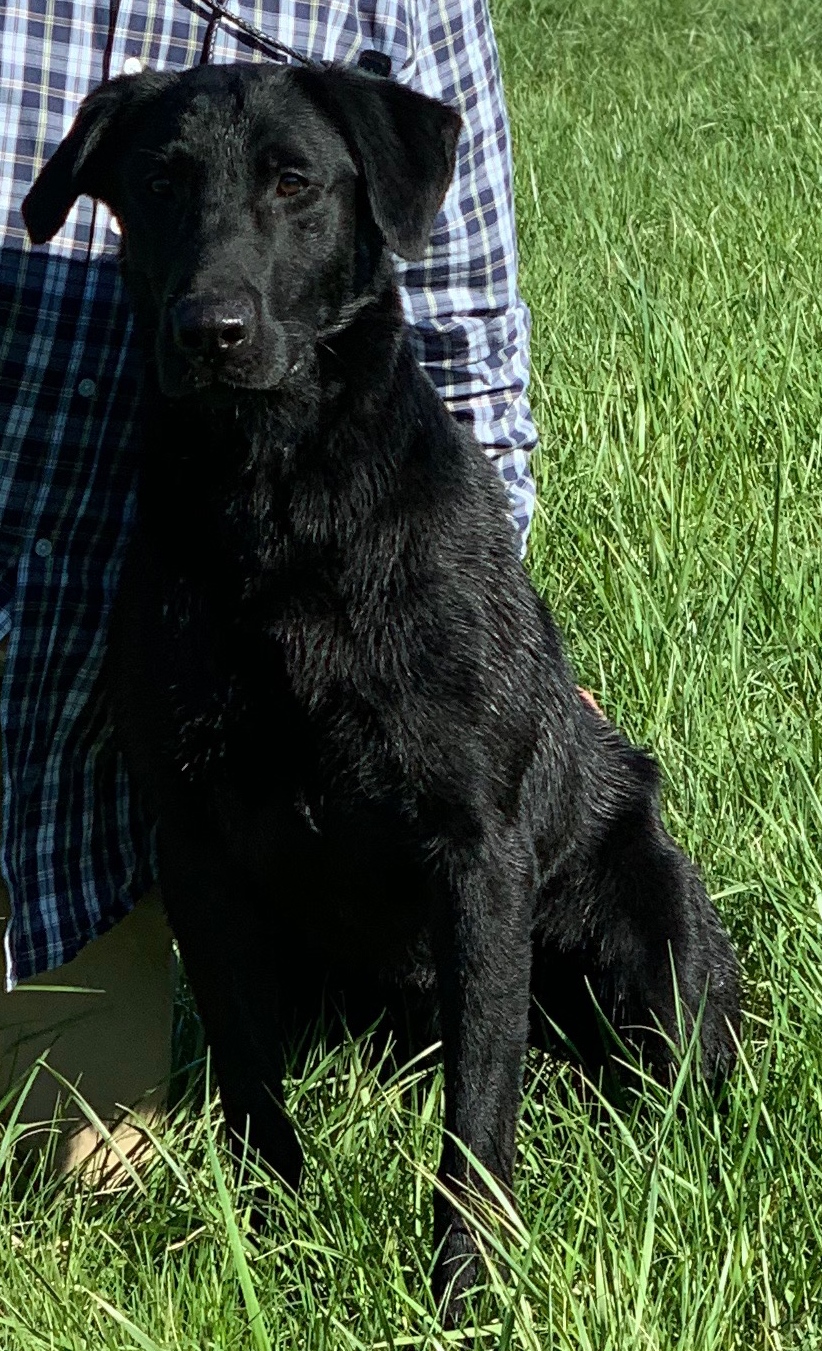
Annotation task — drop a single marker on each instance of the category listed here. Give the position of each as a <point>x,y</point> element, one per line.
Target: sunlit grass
<point>669,187</point>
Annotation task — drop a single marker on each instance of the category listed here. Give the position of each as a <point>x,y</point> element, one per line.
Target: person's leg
<point>113,1043</point>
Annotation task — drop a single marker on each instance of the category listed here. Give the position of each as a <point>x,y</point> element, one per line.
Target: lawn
<point>669,190</point>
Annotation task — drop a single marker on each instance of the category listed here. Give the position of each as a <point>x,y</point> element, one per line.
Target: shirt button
<point>43,548</point>
<point>132,65</point>
<point>86,388</point>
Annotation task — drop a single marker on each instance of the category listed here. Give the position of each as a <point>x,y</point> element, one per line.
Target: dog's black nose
<point>210,328</point>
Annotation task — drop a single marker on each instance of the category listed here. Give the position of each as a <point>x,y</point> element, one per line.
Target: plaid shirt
<point>76,848</point>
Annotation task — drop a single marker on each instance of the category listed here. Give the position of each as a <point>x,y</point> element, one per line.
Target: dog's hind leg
<point>629,921</point>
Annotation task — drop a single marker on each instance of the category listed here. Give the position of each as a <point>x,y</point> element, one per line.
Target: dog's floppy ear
<point>404,142</point>
<point>82,161</point>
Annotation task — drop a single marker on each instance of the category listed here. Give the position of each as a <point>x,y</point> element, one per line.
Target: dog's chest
<point>279,704</point>
<point>232,712</point>
<point>269,736</point>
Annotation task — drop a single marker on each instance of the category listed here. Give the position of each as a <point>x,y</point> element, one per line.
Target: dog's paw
<point>456,1274</point>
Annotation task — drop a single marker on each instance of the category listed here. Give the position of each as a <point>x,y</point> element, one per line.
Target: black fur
<point>375,778</point>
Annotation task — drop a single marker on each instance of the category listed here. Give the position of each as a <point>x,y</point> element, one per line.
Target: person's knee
<point>91,1043</point>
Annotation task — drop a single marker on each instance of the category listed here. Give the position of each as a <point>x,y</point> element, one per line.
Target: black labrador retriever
<point>376,782</point>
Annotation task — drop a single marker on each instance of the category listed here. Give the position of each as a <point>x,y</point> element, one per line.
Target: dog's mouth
<point>221,386</point>
<point>208,388</point>
<point>179,381</point>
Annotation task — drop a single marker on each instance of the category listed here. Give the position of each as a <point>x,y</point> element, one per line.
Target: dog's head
<point>254,202</point>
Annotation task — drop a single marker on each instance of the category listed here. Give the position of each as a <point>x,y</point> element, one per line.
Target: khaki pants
<point>113,1043</point>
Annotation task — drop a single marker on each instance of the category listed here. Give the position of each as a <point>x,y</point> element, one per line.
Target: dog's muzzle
<point>210,330</point>
<point>209,342</point>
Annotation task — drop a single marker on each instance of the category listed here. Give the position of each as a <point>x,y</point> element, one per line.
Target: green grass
<point>669,187</point>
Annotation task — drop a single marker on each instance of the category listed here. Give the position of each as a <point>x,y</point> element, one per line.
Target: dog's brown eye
<point>160,186</point>
<point>289,184</point>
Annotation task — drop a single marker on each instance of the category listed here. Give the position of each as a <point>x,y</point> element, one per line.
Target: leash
<point>376,63</point>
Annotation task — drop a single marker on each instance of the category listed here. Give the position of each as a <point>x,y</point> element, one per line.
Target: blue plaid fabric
<point>76,848</point>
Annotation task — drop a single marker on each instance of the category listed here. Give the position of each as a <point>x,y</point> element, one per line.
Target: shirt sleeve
<point>470,326</point>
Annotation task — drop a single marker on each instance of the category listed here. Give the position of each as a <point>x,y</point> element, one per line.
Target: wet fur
<point>377,785</point>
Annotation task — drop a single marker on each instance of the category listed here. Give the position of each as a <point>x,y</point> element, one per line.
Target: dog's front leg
<point>483,954</point>
<point>214,918</point>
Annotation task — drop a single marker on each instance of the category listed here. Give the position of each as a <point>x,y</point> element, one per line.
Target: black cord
<point>218,14</point>
<point>113,15</point>
<point>377,63</point>
<point>208,41</point>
